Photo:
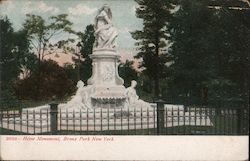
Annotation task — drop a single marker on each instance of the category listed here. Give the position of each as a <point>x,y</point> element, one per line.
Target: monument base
<point>108,103</point>
<point>107,85</point>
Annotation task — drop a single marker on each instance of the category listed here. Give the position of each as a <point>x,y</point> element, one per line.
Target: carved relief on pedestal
<point>108,72</point>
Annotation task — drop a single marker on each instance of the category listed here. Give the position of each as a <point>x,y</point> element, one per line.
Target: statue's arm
<point>107,19</point>
<point>102,28</point>
<point>101,14</point>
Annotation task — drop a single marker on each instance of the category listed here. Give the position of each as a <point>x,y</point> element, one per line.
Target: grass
<point>18,105</point>
<point>10,132</point>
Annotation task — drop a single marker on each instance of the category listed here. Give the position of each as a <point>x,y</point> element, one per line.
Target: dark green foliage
<point>27,60</point>
<point>210,52</point>
<point>127,72</point>
<point>71,72</point>
<point>15,57</point>
<point>229,3</point>
<point>9,65</point>
<point>53,83</point>
<point>144,87</point>
<point>87,41</point>
<point>152,38</point>
<point>231,46</point>
<point>190,50</point>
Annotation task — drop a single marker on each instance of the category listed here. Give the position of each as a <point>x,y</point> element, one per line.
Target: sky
<point>81,13</point>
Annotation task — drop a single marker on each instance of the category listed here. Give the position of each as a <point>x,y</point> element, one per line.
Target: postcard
<point>124,80</point>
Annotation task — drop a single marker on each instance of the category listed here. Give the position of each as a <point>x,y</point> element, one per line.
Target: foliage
<point>127,72</point>
<point>44,36</point>
<point>87,41</point>
<point>27,60</point>
<point>9,64</point>
<point>52,78</point>
<point>231,48</point>
<point>71,72</point>
<point>210,51</point>
<point>144,87</point>
<point>14,54</point>
<point>152,39</point>
<point>190,49</point>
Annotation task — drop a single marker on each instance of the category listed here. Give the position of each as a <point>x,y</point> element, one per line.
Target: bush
<point>49,81</point>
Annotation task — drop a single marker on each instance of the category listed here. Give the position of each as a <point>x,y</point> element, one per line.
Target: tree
<point>14,48</point>
<point>9,67</point>
<point>127,72</point>
<point>27,60</point>
<point>190,52</point>
<point>85,62</point>
<point>41,34</point>
<point>71,72</point>
<point>44,37</point>
<point>53,83</point>
<point>231,47</point>
<point>152,39</point>
<point>209,51</point>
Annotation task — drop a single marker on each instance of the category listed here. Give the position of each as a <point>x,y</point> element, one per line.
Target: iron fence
<point>161,119</point>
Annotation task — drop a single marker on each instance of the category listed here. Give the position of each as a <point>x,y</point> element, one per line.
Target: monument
<point>105,87</point>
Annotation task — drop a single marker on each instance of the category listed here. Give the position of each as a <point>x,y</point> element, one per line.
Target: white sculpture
<point>131,93</point>
<point>86,96</point>
<point>133,99</point>
<point>80,99</point>
<point>105,33</point>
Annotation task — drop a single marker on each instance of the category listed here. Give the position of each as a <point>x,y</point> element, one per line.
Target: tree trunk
<point>39,73</point>
<point>156,90</point>
<point>156,79</point>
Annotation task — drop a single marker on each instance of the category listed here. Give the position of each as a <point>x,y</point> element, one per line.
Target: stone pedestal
<point>107,85</point>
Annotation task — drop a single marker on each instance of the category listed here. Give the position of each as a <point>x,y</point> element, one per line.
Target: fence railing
<point>159,120</point>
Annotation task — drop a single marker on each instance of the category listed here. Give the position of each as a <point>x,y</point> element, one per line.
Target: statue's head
<point>133,83</point>
<point>107,9</point>
<point>80,84</point>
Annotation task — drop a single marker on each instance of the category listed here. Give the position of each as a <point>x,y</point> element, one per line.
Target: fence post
<point>239,114</point>
<point>53,117</point>
<point>160,116</point>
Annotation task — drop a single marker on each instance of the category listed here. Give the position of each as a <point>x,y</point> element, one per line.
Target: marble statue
<point>86,97</point>
<point>105,33</point>
<point>81,100</point>
<point>132,99</point>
